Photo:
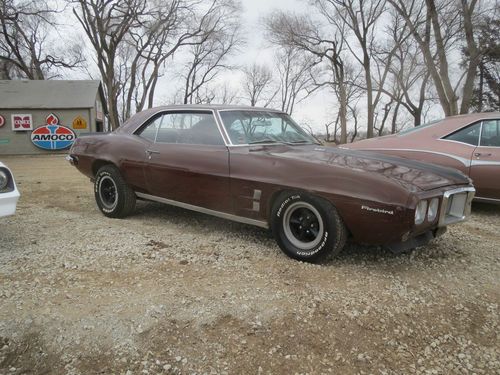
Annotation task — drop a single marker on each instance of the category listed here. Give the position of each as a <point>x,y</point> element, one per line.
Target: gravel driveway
<point>176,292</point>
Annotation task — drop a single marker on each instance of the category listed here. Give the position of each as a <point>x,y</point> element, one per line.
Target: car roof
<point>216,107</point>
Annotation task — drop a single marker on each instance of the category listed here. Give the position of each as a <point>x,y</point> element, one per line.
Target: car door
<point>188,162</point>
<point>485,166</point>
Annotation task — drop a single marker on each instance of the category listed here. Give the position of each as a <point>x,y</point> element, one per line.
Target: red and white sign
<point>22,123</point>
<point>2,121</point>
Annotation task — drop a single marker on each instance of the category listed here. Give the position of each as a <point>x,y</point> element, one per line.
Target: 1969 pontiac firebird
<point>257,166</point>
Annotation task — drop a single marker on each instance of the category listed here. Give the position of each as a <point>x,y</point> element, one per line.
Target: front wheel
<point>307,227</point>
<point>112,194</point>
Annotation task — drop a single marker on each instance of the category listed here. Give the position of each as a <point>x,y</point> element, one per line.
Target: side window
<point>149,131</point>
<point>197,128</point>
<point>490,135</point>
<point>469,135</point>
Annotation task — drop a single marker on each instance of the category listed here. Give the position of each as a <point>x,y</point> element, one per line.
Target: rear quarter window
<point>468,135</point>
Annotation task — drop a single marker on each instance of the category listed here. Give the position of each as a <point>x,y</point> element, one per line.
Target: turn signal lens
<point>420,212</point>
<point>433,210</point>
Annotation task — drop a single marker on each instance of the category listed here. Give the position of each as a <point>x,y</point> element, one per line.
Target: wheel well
<point>99,164</point>
<point>276,194</point>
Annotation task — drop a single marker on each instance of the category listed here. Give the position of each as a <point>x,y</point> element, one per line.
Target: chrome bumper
<point>73,160</point>
<point>456,206</point>
<point>8,202</point>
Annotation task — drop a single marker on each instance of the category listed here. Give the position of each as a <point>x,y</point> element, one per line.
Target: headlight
<point>433,210</point>
<point>420,212</point>
<point>4,180</point>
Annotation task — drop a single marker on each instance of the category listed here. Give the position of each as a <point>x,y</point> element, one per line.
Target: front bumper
<point>417,241</point>
<point>8,202</point>
<point>456,205</point>
<point>73,160</point>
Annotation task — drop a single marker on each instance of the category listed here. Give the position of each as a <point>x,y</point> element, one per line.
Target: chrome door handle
<point>477,154</point>
<point>150,152</point>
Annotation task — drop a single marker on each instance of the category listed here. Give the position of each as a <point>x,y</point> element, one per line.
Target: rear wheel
<point>112,194</point>
<point>307,227</point>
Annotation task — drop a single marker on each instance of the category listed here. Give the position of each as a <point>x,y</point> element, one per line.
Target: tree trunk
<point>474,56</point>
<point>481,87</point>
<point>369,97</point>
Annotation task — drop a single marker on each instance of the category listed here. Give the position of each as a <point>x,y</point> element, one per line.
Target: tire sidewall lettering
<point>315,250</point>
<point>285,202</point>
<point>96,191</point>
<point>326,239</point>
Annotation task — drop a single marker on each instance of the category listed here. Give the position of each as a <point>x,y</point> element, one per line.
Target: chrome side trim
<point>203,210</point>
<point>464,161</point>
<point>222,129</point>
<point>484,162</point>
<point>457,142</point>
<point>480,133</point>
<point>487,200</point>
<point>248,109</point>
<point>447,218</point>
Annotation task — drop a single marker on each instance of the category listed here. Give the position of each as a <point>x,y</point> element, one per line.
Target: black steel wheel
<point>112,194</point>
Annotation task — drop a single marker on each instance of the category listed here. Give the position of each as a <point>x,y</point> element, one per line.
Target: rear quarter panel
<point>126,152</point>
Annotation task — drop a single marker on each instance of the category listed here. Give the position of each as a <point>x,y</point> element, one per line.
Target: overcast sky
<point>315,110</point>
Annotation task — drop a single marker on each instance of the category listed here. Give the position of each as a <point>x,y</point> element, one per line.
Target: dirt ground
<point>168,291</point>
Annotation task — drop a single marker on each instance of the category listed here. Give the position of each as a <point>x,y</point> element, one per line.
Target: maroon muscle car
<point>257,166</point>
<point>470,143</point>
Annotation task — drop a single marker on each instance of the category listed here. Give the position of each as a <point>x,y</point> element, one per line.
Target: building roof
<point>18,94</point>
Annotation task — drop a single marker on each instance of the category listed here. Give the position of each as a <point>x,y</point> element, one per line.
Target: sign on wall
<point>22,122</point>
<point>79,123</point>
<point>53,136</point>
<point>2,121</point>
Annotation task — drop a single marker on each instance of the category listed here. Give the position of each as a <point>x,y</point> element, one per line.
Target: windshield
<point>254,127</point>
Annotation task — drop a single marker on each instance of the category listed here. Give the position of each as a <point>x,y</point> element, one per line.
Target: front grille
<point>456,205</point>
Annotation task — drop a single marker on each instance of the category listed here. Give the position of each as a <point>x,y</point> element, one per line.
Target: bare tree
<point>209,56</point>
<point>308,128</point>
<point>360,17</point>
<point>302,33</point>
<point>257,81</point>
<point>218,93</point>
<point>107,24</point>
<point>404,70</point>
<point>26,47</point>
<point>133,39</point>
<point>296,70</point>
<point>410,78</point>
<point>328,125</point>
<point>437,27</point>
<point>354,111</point>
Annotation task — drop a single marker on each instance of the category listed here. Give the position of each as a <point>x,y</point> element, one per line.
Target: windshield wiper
<point>290,143</point>
<point>266,140</point>
<point>298,142</point>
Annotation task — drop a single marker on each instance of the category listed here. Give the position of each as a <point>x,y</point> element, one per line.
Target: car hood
<point>411,174</point>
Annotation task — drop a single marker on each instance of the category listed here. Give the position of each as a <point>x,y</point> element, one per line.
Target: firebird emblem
<point>377,210</point>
